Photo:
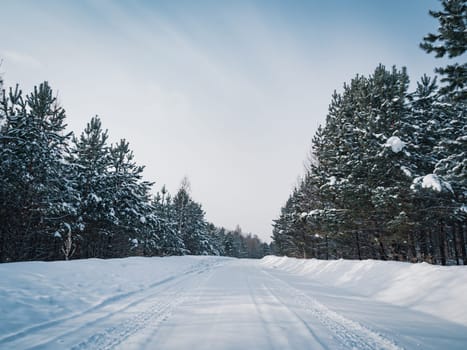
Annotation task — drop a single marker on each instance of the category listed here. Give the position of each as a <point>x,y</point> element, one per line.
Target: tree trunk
<point>456,250</point>
<point>412,249</point>
<point>424,245</point>
<point>461,242</point>
<point>357,240</point>
<point>432,247</point>
<point>382,250</point>
<point>327,248</point>
<point>442,242</point>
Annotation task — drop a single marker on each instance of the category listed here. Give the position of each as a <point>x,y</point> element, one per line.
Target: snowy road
<point>239,304</point>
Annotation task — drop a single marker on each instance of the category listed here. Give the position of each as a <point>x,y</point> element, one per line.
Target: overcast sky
<point>228,93</point>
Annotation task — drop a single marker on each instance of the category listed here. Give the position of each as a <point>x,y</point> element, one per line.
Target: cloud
<point>229,94</point>
<point>20,59</point>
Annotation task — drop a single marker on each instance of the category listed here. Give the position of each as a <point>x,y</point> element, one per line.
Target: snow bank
<point>37,292</point>
<point>437,290</point>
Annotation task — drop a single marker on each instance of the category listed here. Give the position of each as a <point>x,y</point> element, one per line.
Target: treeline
<point>240,245</point>
<point>66,197</point>
<point>387,174</point>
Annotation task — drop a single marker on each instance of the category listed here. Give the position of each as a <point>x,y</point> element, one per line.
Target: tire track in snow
<point>350,333</point>
<point>95,308</point>
<point>107,302</point>
<point>264,320</point>
<point>268,321</point>
<point>41,334</point>
<point>152,317</point>
<point>160,308</point>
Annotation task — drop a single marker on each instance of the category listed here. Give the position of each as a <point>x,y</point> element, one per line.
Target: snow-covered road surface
<point>216,303</point>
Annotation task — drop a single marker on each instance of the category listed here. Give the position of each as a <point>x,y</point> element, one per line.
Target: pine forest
<point>386,177</point>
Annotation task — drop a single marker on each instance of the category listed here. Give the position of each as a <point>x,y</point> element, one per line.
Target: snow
<point>57,234</point>
<point>436,290</point>
<point>41,293</point>
<point>95,197</point>
<point>448,186</point>
<point>315,212</point>
<point>433,182</point>
<point>223,303</point>
<point>395,143</point>
<point>406,171</point>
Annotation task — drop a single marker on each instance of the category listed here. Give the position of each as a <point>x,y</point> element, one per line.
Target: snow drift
<point>437,290</point>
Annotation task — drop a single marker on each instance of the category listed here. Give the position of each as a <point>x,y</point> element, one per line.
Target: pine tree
<point>449,173</point>
<point>284,234</point>
<point>37,196</point>
<point>91,161</point>
<point>170,241</point>
<point>130,206</point>
<point>216,238</point>
<point>191,224</point>
<point>354,174</point>
<point>451,39</point>
<point>229,248</point>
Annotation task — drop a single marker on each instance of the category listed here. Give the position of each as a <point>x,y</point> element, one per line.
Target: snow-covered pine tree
<point>170,241</point>
<point>447,181</point>
<point>135,225</point>
<point>435,133</point>
<point>353,175</point>
<point>191,224</point>
<point>37,195</point>
<point>283,233</point>
<point>304,199</point>
<point>452,171</point>
<point>216,239</point>
<point>228,242</point>
<point>391,164</point>
<point>196,236</point>
<point>422,132</point>
<point>451,39</point>
<point>91,161</point>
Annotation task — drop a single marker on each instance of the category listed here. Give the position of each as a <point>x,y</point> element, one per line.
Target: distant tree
<point>170,240</point>
<point>216,238</point>
<point>229,248</point>
<point>283,234</point>
<point>191,224</point>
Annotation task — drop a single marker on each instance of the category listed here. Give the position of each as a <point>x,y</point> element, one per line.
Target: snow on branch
<point>395,143</point>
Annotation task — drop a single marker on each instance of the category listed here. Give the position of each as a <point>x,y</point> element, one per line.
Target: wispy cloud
<point>229,93</point>
<point>20,59</point>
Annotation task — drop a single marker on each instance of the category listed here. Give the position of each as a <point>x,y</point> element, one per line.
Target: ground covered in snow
<point>222,303</point>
